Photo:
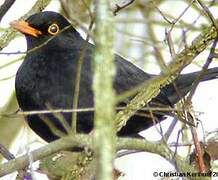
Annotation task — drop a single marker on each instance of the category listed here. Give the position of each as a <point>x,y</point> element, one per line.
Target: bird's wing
<point>128,76</point>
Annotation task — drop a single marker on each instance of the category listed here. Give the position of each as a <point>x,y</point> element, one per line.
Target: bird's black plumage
<point>47,76</point>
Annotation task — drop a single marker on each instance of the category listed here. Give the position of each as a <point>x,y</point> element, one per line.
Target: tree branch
<point>5,7</point>
<point>61,144</point>
<point>104,95</point>
<point>151,88</point>
<point>86,140</point>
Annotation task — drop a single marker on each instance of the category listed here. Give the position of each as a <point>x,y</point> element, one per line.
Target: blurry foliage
<point>140,27</point>
<point>78,9</point>
<point>9,126</point>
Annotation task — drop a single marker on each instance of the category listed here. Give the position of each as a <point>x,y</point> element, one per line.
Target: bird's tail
<point>210,74</point>
<point>184,83</point>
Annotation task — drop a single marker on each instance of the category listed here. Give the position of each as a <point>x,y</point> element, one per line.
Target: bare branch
<point>120,7</point>
<point>5,7</point>
<point>6,154</point>
<point>209,14</point>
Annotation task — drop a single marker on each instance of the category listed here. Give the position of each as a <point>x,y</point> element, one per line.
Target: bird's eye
<point>53,29</point>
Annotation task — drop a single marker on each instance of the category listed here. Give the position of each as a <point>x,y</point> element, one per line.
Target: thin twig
<point>176,144</point>
<point>203,71</point>
<point>78,76</point>
<point>199,155</point>
<point>120,7</point>
<point>7,78</point>
<point>198,150</point>
<point>209,14</point>
<point>170,44</point>
<point>169,130</point>
<point>178,18</point>
<point>5,153</point>
<point>91,109</point>
<point>126,152</point>
<point>163,15</point>
<point>13,53</point>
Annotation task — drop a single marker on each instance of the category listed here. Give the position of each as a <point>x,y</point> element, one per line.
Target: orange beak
<point>25,28</point>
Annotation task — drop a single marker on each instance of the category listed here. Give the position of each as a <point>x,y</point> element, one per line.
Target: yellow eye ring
<point>53,29</point>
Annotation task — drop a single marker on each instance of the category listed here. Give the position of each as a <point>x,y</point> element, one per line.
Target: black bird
<point>47,77</point>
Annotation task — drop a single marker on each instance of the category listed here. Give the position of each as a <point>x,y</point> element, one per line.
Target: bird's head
<point>44,27</point>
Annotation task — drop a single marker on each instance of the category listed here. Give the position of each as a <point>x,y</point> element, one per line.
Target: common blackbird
<point>46,77</point>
